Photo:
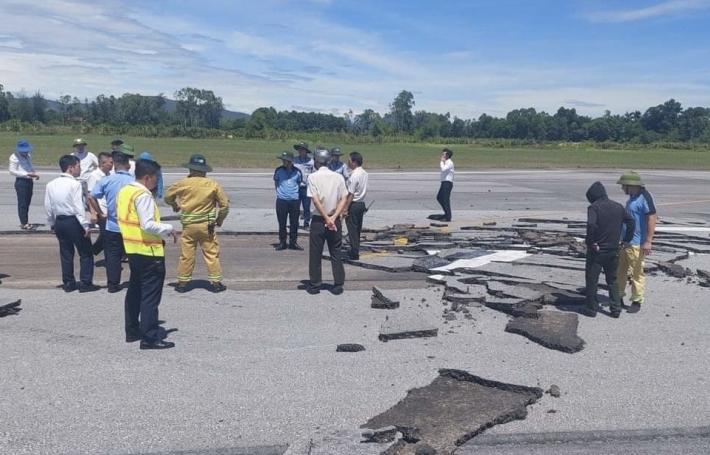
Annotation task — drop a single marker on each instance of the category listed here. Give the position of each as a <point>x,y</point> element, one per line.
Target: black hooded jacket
<point>604,219</point>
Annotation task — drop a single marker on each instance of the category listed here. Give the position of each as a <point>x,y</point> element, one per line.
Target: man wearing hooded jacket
<point>604,223</point>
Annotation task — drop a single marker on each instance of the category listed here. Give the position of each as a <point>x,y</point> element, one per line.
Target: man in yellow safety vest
<point>142,232</point>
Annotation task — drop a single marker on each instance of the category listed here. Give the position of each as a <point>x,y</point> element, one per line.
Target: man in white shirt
<point>328,193</point>
<point>63,202</point>
<point>21,168</point>
<point>357,188</point>
<point>447,184</point>
<point>99,217</point>
<point>142,233</point>
<point>89,162</point>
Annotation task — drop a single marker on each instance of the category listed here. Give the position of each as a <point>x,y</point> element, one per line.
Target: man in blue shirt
<point>642,208</point>
<point>304,163</point>
<point>287,180</point>
<point>109,187</point>
<point>336,165</point>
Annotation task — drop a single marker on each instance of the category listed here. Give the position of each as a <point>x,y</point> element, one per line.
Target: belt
<point>65,217</point>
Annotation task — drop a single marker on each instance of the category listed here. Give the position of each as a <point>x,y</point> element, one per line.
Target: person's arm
<point>78,207</point>
<point>223,202</point>
<point>630,224</point>
<point>49,210</point>
<point>650,231</point>
<point>15,168</point>
<point>145,208</point>
<point>171,197</point>
<point>592,226</point>
<point>276,179</point>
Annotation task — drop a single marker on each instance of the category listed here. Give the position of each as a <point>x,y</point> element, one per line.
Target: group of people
<point>618,239</point>
<point>118,195</point>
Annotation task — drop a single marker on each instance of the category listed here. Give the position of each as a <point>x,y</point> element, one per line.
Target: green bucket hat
<point>302,145</point>
<point>288,156</point>
<point>631,178</point>
<point>127,150</point>
<point>198,163</point>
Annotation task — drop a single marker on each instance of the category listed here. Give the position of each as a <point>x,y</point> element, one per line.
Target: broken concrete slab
<point>10,308</point>
<point>385,262</point>
<point>381,302</point>
<point>427,263</point>
<point>406,325</point>
<point>674,270</point>
<point>454,408</point>
<point>514,307</point>
<point>521,291</point>
<point>495,256</point>
<point>329,441</point>
<point>552,329</point>
<point>450,282</point>
<point>452,254</point>
<point>380,435</point>
<point>349,347</point>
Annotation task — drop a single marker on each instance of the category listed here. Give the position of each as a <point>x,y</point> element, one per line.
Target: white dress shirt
<point>357,184</point>
<point>91,182</point>
<point>447,170</point>
<point>89,163</point>
<point>145,208</point>
<point>328,187</point>
<point>64,197</point>
<point>20,165</point>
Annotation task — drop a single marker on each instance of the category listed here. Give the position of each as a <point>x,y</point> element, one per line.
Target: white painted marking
<point>496,256</point>
<point>682,229</point>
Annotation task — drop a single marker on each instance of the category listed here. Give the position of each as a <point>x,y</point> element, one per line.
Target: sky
<point>466,57</point>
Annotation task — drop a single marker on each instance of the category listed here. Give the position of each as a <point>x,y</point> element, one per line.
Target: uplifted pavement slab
<point>380,301</point>
<point>521,291</point>
<point>514,307</point>
<point>552,329</point>
<point>454,408</point>
<point>10,308</point>
<point>404,325</point>
<point>427,263</point>
<point>329,441</point>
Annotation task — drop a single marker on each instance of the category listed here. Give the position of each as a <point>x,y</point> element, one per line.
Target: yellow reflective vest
<point>135,239</point>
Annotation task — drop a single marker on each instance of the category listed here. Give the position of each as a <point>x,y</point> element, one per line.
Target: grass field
<point>255,154</point>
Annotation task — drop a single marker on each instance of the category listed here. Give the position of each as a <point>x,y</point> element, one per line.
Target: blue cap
<point>23,146</point>
<point>146,155</point>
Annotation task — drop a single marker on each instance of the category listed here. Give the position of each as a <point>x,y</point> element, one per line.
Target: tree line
<point>199,113</point>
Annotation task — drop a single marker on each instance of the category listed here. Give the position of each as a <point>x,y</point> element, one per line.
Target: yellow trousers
<point>193,235</point>
<point>631,270</point>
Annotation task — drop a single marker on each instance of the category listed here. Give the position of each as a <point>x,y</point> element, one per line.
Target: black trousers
<point>306,203</point>
<point>356,213</point>
<point>143,297</point>
<point>23,188</point>
<point>319,235</point>
<point>98,245</point>
<point>113,253</point>
<point>288,210</point>
<point>608,261</point>
<point>71,235</point>
<point>444,198</point>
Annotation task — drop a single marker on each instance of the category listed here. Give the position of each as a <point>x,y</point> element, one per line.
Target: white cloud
<point>666,8</point>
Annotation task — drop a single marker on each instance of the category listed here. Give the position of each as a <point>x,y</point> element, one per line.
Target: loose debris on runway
<point>532,270</point>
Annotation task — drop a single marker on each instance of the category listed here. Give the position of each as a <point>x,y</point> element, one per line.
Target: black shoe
<point>281,247</point>
<point>88,288</point>
<point>181,288</point>
<point>306,225</point>
<point>216,286</point>
<point>313,290</point>
<point>353,256</point>
<point>132,338</point>
<point>159,344</point>
<point>634,308</point>
<point>615,314</point>
<point>448,220</point>
<point>113,288</point>
<point>337,289</point>
<point>69,287</point>
<point>295,246</point>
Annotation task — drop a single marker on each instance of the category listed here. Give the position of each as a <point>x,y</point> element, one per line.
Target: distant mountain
<point>169,106</point>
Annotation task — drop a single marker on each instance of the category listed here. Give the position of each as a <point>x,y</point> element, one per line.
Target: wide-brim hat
<point>79,141</point>
<point>198,163</point>
<point>23,146</point>
<point>117,141</point>
<point>630,179</point>
<point>288,156</point>
<point>127,150</point>
<point>302,145</point>
<point>335,151</point>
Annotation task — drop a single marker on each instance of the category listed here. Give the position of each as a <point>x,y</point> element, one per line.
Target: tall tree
<point>401,112</point>
<point>4,105</point>
<point>198,108</point>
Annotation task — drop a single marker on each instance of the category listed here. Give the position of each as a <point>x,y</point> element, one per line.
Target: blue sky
<point>463,57</point>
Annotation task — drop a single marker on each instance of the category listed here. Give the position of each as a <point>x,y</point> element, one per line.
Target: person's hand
<point>330,224</point>
<point>595,247</point>
<point>33,175</point>
<point>646,248</point>
<point>103,216</point>
<point>94,218</point>
<point>173,234</point>
<point>443,157</point>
